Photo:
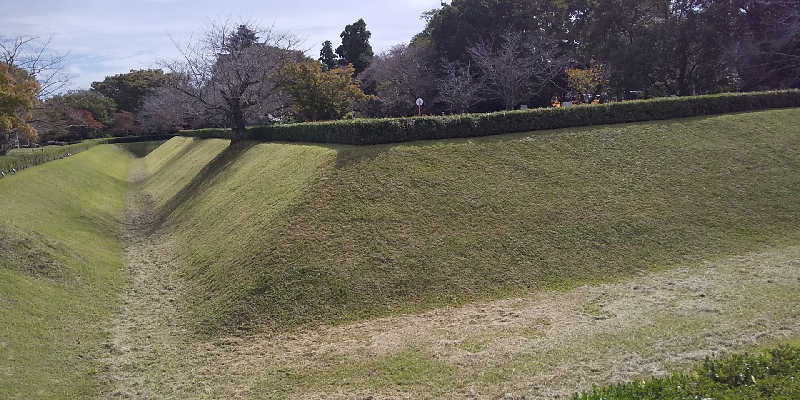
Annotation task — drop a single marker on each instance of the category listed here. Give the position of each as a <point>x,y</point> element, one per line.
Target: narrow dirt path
<point>543,346</point>
<point>146,320</point>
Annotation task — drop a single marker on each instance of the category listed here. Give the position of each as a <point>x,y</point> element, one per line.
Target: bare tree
<point>458,88</point>
<point>398,77</point>
<point>231,72</point>
<point>168,110</point>
<point>519,66</point>
<point>768,49</point>
<point>34,56</point>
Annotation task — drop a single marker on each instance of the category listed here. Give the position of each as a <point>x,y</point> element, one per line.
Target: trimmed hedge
<point>26,158</point>
<point>773,375</point>
<point>392,130</point>
<point>31,157</point>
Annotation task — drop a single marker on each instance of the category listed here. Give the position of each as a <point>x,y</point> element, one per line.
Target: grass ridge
<point>290,235</point>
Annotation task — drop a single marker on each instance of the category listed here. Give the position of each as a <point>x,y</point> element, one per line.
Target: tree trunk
<point>238,123</point>
<point>3,144</point>
<point>683,75</point>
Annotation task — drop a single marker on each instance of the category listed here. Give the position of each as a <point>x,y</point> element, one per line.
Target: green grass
<point>173,165</point>
<point>26,158</point>
<point>60,260</point>
<point>289,234</point>
<point>141,149</point>
<point>773,375</point>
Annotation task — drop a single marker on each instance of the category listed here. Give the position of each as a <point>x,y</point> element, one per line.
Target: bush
<point>770,375</point>
<point>391,130</point>
<point>20,159</point>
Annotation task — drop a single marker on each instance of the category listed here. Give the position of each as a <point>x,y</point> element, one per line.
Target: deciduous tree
<point>398,77</point>
<point>124,124</point>
<point>586,80</point>
<point>101,107</point>
<point>18,90</point>
<point>167,110</point>
<point>768,43</point>
<point>459,89</point>
<point>517,66</point>
<point>235,83</point>
<point>321,95</point>
<point>33,55</point>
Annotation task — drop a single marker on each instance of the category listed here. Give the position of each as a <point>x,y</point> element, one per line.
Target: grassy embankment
<point>289,234</point>
<point>20,159</point>
<point>61,256</point>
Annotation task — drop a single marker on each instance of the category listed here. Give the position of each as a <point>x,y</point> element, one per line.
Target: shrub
<point>30,157</point>
<point>26,158</point>
<point>770,375</point>
<point>391,130</point>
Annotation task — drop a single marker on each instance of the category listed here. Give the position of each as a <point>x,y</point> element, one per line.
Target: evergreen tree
<point>242,39</point>
<point>355,48</point>
<point>327,57</point>
<point>129,90</point>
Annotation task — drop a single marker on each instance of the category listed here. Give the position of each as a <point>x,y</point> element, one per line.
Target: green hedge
<point>391,130</point>
<point>20,159</point>
<point>773,375</point>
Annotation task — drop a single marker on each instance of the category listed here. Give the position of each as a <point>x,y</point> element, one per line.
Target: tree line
<point>472,56</point>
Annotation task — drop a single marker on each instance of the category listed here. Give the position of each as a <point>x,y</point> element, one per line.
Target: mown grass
<point>773,375</point>
<point>173,165</point>
<point>20,159</point>
<point>289,234</point>
<point>561,360</point>
<point>61,255</point>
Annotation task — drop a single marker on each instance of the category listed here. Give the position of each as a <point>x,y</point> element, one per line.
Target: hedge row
<point>25,158</point>
<point>19,159</point>
<point>391,130</point>
<point>772,375</point>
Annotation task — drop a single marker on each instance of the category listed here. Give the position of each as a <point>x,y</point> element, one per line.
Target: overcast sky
<point>107,37</point>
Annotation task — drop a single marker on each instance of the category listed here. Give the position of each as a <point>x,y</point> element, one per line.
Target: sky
<point>108,37</point>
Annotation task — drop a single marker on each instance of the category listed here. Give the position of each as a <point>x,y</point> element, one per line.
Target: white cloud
<point>106,37</point>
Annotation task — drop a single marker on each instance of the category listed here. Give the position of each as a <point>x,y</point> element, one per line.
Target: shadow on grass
<point>140,149</point>
<point>204,179</point>
<point>349,155</point>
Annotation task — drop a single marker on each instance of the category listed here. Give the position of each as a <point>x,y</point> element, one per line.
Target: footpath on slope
<point>147,318</point>
<point>547,345</point>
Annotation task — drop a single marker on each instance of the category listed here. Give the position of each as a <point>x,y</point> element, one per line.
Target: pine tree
<point>355,48</point>
<point>327,57</point>
<point>242,39</point>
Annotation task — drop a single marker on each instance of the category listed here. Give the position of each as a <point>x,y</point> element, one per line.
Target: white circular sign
<point>420,102</point>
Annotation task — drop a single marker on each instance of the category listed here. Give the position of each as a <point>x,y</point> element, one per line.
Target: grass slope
<point>29,157</point>
<point>60,260</point>
<point>294,234</point>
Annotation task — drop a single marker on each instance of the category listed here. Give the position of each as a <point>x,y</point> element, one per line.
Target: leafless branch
<point>458,88</point>
<point>517,66</point>
<point>35,56</point>
<point>233,78</point>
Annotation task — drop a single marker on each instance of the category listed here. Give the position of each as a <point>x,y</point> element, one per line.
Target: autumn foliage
<point>17,98</point>
<point>124,123</point>
<point>586,81</point>
<point>321,95</point>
